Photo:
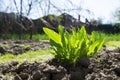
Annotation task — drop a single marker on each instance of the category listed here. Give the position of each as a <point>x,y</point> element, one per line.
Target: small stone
<point>84,62</point>
<point>1,76</point>
<point>117,71</point>
<point>76,76</point>
<point>62,69</point>
<point>51,69</point>
<point>46,77</point>
<point>17,77</point>
<point>24,76</point>
<point>37,75</point>
<point>2,50</point>
<point>109,78</point>
<point>60,76</point>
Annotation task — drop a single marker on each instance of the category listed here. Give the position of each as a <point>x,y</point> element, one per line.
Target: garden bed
<point>21,46</point>
<point>106,66</point>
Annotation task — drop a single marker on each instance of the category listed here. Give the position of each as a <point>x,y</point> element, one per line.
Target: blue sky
<point>103,9</point>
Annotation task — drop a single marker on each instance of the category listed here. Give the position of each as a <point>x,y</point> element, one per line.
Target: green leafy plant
<point>70,47</point>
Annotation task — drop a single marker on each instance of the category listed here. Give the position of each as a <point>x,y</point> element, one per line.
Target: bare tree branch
<point>30,6</point>
<point>48,6</point>
<point>16,5</point>
<point>70,2</point>
<point>21,8</point>
<point>56,7</point>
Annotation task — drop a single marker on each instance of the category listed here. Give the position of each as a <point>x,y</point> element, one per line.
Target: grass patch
<point>110,37</point>
<point>113,43</point>
<point>31,56</point>
<point>40,36</point>
<point>26,36</point>
<point>6,57</point>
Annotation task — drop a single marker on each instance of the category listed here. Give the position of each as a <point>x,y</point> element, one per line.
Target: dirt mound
<point>106,66</point>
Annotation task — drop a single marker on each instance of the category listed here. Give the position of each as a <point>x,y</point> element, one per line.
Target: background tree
<point>41,7</point>
<point>117,14</point>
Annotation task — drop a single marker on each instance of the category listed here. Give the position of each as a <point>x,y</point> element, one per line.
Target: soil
<point>21,46</point>
<point>106,66</point>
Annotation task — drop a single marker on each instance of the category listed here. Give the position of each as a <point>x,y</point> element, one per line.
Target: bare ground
<point>106,66</point>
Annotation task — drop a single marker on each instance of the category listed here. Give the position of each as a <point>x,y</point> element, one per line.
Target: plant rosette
<point>71,47</point>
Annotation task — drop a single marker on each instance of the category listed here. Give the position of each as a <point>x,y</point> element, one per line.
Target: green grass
<point>112,43</point>
<point>108,37</point>
<point>31,56</point>
<point>26,36</point>
<point>40,36</point>
<point>111,39</point>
